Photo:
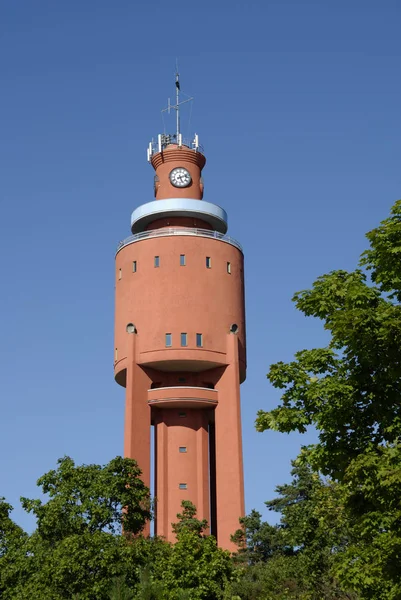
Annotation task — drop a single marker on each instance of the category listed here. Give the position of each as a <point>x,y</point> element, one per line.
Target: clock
<point>180,177</point>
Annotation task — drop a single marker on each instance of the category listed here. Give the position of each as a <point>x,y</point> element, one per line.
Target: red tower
<point>180,342</point>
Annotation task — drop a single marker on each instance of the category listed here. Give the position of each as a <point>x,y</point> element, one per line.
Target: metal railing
<point>167,231</point>
<point>165,140</point>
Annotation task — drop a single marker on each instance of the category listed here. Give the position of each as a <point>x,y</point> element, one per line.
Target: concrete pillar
<point>137,415</point>
<point>229,465</point>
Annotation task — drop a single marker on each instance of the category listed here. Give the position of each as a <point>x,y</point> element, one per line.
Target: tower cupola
<point>178,183</point>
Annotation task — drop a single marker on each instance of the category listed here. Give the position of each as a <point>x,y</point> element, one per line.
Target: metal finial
<point>177,104</point>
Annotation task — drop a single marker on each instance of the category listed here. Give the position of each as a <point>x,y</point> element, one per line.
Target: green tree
<point>91,498</point>
<point>350,391</point>
<point>370,501</point>
<point>12,543</point>
<point>77,549</point>
<point>257,540</point>
<point>293,559</point>
<point>195,568</point>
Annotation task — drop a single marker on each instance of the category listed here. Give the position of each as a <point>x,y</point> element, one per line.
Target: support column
<point>137,415</point>
<point>190,468</point>
<point>229,468</point>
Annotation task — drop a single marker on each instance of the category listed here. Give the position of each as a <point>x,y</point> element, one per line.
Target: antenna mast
<point>177,98</point>
<point>177,105</point>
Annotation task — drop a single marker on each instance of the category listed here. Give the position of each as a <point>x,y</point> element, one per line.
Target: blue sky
<point>297,106</point>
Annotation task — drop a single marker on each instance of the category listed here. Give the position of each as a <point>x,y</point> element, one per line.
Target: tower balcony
<point>182,397</point>
<point>184,231</point>
<point>168,208</point>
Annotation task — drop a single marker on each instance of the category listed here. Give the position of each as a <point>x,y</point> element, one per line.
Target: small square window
<point>182,414</point>
<point>182,486</point>
<point>181,380</point>
<point>169,340</point>
<point>229,268</point>
<point>134,266</point>
<point>120,273</point>
<point>182,260</point>
<point>184,341</point>
<point>199,340</point>
<point>157,261</point>
<point>183,449</point>
<point>208,262</point>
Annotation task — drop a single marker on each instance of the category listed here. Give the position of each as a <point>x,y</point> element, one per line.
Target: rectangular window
<point>120,273</point>
<point>182,414</point>
<point>184,339</point>
<point>199,340</point>
<point>169,340</point>
<point>183,449</point>
<point>182,486</point>
<point>229,268</point>
<point>182,260</point>
<point>157,261</point>
<point>208,262</point>
<point>134,266</point>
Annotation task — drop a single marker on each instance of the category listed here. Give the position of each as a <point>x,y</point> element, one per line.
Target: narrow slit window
<point>182,414</point>
<point>157,261</point>
<point>134,266</point>
<point>183,449</point>
<point>184,339</point>
<point>182,486</point>
<point>208,262</point>
<point>120,273</point>
<point>182,260</point>
<point>116,355</point>
<point>169,340</point>
<point>199,340</point>
<point>229,268</point>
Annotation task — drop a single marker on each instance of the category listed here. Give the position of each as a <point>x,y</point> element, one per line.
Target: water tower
<point>180,341</point>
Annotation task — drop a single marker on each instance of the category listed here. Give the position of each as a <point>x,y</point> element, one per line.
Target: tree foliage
<point>293,559</point>
<point>74,549</point>
<point>194,565</point>
<point>80,551</point>
<point>350,392</point>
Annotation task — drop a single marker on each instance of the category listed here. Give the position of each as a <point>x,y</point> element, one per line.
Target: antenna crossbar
<point>177,104</point>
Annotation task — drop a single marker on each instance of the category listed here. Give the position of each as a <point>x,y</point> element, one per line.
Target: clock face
<point>180,177</point>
